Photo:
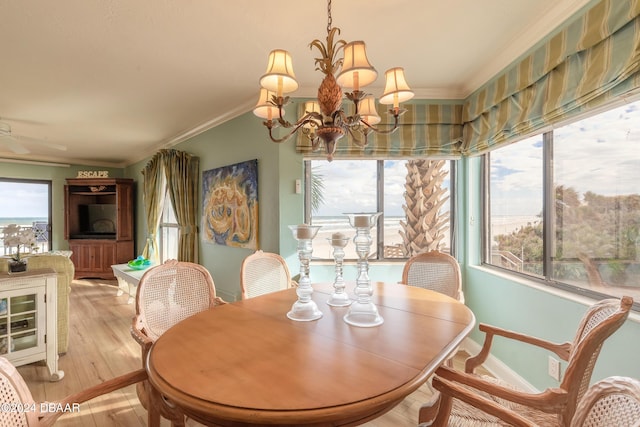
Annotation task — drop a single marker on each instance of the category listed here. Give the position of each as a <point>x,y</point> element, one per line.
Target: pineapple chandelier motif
<point>324,120</point>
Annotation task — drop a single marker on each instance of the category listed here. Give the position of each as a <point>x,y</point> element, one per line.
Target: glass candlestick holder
<point>339,298</point>
<point>304,309</point>
<point>363,311</point>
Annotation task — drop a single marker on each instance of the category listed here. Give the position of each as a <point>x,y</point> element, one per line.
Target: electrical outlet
<point>554,368</point>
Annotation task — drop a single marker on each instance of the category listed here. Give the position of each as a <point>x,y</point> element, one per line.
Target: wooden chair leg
<point>442,417</point>
<point>429,410</point>
<point>153,409</point>
<point>435,413</point>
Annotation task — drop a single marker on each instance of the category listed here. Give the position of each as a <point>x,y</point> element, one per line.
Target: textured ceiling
<point>114,80</point>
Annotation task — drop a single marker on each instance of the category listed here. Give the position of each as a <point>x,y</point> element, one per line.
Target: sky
<point>587,157</point>
<point>25,200</point>
<point>350,186</point>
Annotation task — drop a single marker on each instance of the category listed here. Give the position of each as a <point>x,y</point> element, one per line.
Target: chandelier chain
<point>329,20</point>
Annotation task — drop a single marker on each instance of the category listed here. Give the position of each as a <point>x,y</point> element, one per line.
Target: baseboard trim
<point>498,368</point>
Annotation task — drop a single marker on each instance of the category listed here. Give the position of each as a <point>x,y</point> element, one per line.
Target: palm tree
<point>425,226</point>
<point>317,187</point>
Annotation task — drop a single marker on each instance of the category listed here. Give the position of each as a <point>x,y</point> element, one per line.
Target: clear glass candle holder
<point>339,298</point>
<point>363,312</point>
<point>304,309</point>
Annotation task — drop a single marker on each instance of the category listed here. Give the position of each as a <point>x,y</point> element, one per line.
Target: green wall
<point>238,140</point>
<point>57,176</point>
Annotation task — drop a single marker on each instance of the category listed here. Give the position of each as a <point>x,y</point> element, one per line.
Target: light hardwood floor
<point>100,347</point>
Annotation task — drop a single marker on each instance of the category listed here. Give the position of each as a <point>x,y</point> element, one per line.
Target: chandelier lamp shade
<point>324,120</point>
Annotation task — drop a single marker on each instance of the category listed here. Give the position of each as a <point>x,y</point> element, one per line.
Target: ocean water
<point>23,221</point>
<point>340,223</point>
<point>332,224</point>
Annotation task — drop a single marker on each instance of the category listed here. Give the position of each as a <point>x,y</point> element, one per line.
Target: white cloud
<point>600,154</point>
<point>350,186</point>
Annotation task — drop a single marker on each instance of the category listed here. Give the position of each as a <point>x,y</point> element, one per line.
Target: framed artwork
<point>230,205</point>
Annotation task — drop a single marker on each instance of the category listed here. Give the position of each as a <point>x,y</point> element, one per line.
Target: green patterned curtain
<point>153,191</point>
<point>433,130</point>
<point>182,171</point>
<point>591,61</point>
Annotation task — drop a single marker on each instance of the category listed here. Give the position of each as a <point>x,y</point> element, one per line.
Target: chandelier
<point>324,121</point>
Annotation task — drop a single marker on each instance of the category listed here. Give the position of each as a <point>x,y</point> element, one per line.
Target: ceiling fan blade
<point>55,146</point>
<point>5,132</point>
<point>19,148</point>
<point>19,120</point>
<point>14,145</point>
<point>44,143</point>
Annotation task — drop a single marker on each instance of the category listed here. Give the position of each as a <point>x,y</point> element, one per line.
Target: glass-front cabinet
<point>28,319</point>
<point>19,320</point>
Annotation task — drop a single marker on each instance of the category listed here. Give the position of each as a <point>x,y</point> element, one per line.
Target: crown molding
<point>33,162</point>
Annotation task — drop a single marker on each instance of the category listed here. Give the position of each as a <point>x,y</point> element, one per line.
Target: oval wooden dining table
<point>247,364</point>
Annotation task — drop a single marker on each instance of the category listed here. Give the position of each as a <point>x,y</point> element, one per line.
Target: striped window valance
<point>592,60</point>
<point>427,129</point>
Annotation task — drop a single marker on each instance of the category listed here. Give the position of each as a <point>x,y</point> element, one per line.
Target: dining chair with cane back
<point>438,272</point>
<point>611,402</point>
<point>20,410</point>
<point>167,294</point>
<point>467,399</point>
<point>434,270</point>
<point>263,272</point>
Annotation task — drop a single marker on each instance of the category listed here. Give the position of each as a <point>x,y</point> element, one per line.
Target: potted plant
<point>16,236</point>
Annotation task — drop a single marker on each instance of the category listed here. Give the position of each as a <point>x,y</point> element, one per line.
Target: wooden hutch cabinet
<point>99,224</point>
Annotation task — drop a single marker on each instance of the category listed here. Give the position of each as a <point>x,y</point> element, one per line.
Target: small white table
<point>128,279</point>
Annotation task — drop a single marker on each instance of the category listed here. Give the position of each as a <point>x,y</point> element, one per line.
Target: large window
<point>26,203</point>
<point>565,206</point>
<point>414,196</point>
<point>169,231</point>
<point>516,206</point>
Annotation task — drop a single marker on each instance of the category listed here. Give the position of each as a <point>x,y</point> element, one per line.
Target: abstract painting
<point>230,205</point>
